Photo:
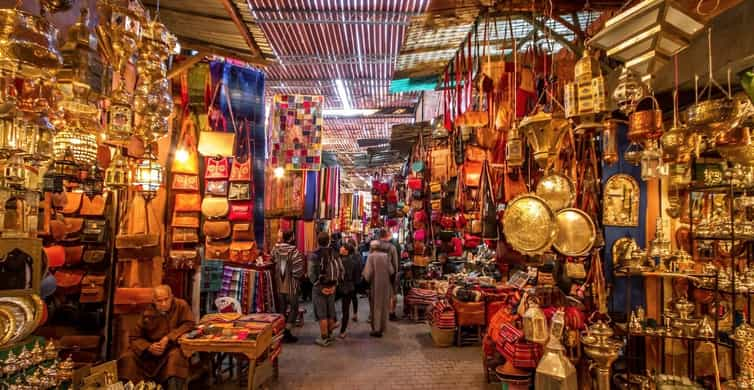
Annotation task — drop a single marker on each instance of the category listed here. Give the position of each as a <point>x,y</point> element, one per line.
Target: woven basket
<point>443,337</point>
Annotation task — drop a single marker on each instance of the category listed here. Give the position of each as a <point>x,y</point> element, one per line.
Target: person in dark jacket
<point>289,268</point>
<point>347,287</point>
<point>386,245</point>
<point>325,271</point>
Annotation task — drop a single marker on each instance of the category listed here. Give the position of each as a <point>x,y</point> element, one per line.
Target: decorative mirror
<point>621,201</point>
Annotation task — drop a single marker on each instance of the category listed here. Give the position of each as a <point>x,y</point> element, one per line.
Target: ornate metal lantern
<point>15,171</point>
<point>543,131</point>
<point>93,184</point>
<point>652,165</point>
<point>148,177</point>
<point>51,180</point>
<point>118,172</point>
<point>609,140</point>
<point>555,371</point>
<point>629,91</point>
<point>585,96</point>
<point>535,323</point>
<point>514,147</point>
<point>121,115</point>
<point>82,144</point>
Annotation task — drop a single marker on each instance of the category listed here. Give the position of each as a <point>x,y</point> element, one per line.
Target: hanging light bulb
<point>181,155</point>
<point>279,172</point>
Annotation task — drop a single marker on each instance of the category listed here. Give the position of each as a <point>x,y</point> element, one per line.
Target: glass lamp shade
<point>66,167</point>
<point>93,184</point>
<point>84,77</point>
<point>81,144</point>
<point>118,173</point>
<point>15,171</point>
<point>646,35</point>
<point>535,324</point>
<point>121,115</point>
<point>148,177</point>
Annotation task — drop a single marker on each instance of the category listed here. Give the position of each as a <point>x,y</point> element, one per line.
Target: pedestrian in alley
<point>347,288</point>
<point>379,273</point>
<point>325,271</point>
<point>387,246</point>
<point>289,268</point>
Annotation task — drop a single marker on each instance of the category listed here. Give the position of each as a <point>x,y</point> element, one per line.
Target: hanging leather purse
<point>218,143</point>
<point>187,202</point>
<point>239,191</point>
<point>68,281</point>
<point>441,164</point>
<point>72,202</point>
<point>184,182</point>
<point>184,235</point>
<point>241,211</point>
<point>476,154</point>
<point>414,183</point>
<point>241,168</point>
<point>73,228</point>
<point>243,252</point>
<point>218,250</point>
<point>217,168</point>
<point>94,232</point>
<point>94,256</point>
<point>243,232</point>
<point>186,143</point>
<point>94,206</point>
<point>216,188</point>
<point>185,220</point>
<point>139,235</point>
<point>490,227</point>
<point>58,200</point>
<point>184,259</point>
<point>487,137</point>
<point>214,207</point>
<point>55,256</point>
<point>93,288</point>
<point>216,230</point>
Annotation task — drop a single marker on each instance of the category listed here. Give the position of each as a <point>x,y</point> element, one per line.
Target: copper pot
<point>646,124</point>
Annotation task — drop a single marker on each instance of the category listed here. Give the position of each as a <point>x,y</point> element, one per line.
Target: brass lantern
<point>82,144</point>
<point>51,180</point>
<point>585,96</point>
<point>629,91</point>
<point>555,371</point>
<point>645,36</point>
<point>148,177</point>
<point>609,139</point>
<point>15,171</point>
<point>118,173</point>
<point>535,323</point>
<point>652,165</point>
<point>514,147</point>
<point>120,116</point>
<point>543,131</point>
<point>93,184</point>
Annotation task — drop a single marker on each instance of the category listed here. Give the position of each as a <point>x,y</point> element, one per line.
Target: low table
<point>252,349</point>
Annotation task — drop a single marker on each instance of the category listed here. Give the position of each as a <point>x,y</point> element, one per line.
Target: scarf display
<point>251,287</point>
<point>443,315</point>
<point>306,236</point>
<point>329,191</point>
<point>285,194</point>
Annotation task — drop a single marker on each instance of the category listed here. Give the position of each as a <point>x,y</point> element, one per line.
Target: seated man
<point>154,353</point>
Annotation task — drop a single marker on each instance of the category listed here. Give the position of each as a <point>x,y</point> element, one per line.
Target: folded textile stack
<point>277,322</point>
<point>418,296</point>
<point>443,315</point>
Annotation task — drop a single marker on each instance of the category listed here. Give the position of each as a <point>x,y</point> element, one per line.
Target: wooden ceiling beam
<point>235,15</point>
<point>222,51</point>
<point>570,26</point>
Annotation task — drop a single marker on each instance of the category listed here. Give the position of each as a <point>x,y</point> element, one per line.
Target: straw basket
<point>442,337</point>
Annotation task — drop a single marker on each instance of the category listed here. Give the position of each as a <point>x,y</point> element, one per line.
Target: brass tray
<point>557,190</point>
<point>28,311</point>
<point>576,232</point>
<point>529,225</point>
<point>7,326</point>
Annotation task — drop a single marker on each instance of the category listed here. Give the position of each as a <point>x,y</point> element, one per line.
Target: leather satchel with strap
<point>218,143</point>
<point>187,142</point>
<point>240,170</point>
<point>139,234</point>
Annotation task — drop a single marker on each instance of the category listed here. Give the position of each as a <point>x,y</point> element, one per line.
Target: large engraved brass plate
<point>557,190</point>
<point>7,326</point>
<point>529,225</point>
<point>621,201</point>
<point>576,232</point>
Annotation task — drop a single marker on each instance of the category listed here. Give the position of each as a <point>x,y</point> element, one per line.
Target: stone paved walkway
<point>403,359</point>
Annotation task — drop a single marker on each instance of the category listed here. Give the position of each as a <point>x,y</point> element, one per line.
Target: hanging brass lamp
<point>543,132</point>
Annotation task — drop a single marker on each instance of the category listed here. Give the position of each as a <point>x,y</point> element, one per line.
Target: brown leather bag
<point>184,259</point>
<point>94,207</point>
<point>216,230</point>
<point>185,220</point>
<point>217,250</point>
<point>139,233</point>
<point>55,255</point>
<point>93,288</point>
<point>215,207</point>
<point>184,235</point>
<point>185,182</point>
<point>58,200</point>
<point>132,299</point>
<point>68,281</point>
<point>73,254</point>
<point>187,202</point>
<point>487,137</point>
<point>73,227</point>
<point>243,251</point>
<point>476,154</point>
<point>243,232</point>
<point>72,202</point>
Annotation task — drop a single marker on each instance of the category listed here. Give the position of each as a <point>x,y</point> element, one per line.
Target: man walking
<point>378,272</point>
<point>325,270</point>
<point>289,268</point>
<point>387,246</point>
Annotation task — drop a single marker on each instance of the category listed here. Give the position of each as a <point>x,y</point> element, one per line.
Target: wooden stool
<point>466,335</point>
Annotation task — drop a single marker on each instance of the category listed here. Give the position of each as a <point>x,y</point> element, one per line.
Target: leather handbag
<point>182,235</point>
<point>241,167</point>
<point>187,142</point>
<point>73,228</point>
<point>187,202</point>
<point>94,256</point>
<point>476,153</point>
<point>132,300</point>
<point>487,137</point>
<point>184,259</point>
<point>55,255</point>
<point>243,251</point>
<point>241,211</point>
<point>139,232</point>
<point>72,202</point>
<point>216,230</point>
<point>239,191</point>
<point>471,241</point>
<point>93,207</point>
<point>68,281</point>
<point>185,182</point>
<point>95,231</point>
<point>73,254</point>
<point>218,143</point>
<point>217,250</point>
<point>214,207</point>
<point>57,228</point>
<point>217,168</point>
<point>185,219</point>
<point>243,232</point>
<point>575,270</point>
<point>442,164</point>
<point>216,188</point>
<point>58,200</point>
<point>414,183</point>
<point>93,288</point>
